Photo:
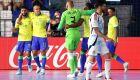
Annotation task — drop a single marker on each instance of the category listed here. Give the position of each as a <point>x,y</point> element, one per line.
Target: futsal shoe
<point>88,76</point>
<point>76,72</point>
<point>71,75</point>
<point>108,79</point>
<point>80,74</point>
<point>38,70</point>
<point>107,76</point>
<point>125,65</point>
<point>19,72</point>
<point>29,68</point>
<point>99,75</point>
<point>42,72</point>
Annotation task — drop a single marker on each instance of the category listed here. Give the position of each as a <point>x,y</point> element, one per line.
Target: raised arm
<point>87,12</point>
<point>62,22</point>
<point>77,24</point>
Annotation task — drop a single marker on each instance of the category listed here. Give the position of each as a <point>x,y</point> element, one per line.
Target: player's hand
<point>14,30</point>
<point>67,26</point>
<point>20,15</point>
<point>109,39</point>
<point>48,33</point>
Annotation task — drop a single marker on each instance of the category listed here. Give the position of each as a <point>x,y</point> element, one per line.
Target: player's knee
<point>70,51</point>
<point>70,56</point>
<point>28,54</point>
<point>108,56</point>
<point>83,52</point>
<point>112,55</point>
<point>34,53</point>
<point>90,59</point>
<point>20,54</point>
<point>43,53</point>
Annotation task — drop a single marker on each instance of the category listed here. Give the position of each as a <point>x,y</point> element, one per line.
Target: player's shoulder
<point>114,18</point>
<point>94,16</point>
<point>31,14</point>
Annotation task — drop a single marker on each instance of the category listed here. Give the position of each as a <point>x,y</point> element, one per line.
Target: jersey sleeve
<point>94,20</point>
<point>87,12</point>
<point>16,25</point>
<point>31,14</point>
<point>115,22</point>
<point>62,22</point>
<point>47,18</point>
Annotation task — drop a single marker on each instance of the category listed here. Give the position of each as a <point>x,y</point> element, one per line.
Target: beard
<point>24,15</point>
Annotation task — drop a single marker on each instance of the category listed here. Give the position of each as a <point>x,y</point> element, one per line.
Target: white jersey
<point>96,44</point>
<point>96,20</point>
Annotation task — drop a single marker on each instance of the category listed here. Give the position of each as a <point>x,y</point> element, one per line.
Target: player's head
<point>88,6</point>
<point>100,5</point>
<point>111,11</point>
<point>24,11</point>
<point>37,9</point>
<point>69,4</point>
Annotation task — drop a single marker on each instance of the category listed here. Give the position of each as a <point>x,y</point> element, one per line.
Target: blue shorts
<point>23,46</point>
<point>39,43</point>
<point>111,46</point>
<point>84,44</point>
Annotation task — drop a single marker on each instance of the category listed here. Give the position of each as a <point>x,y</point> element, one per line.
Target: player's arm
<point>18,21</point>
<point>95,26</point>
<point>15,29</point>
<point>62,22</point>
<point>87,12</point>
<point>97,31</point>
<point>77,24</point>
<point>116,25</point>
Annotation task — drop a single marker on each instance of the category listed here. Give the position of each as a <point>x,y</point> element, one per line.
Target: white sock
<point>107,68</point>
<point>88,69</point>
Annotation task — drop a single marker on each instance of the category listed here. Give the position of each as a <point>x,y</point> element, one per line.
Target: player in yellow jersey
<point>24,24</point>
<point>112,33</point>
<point>40,41</point>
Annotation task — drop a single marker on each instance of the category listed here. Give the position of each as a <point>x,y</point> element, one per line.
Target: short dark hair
<point>112,8</point>
<point>37,4</point>
<point>24,7</point>
<point>89,5</point>
<point>99,3</point>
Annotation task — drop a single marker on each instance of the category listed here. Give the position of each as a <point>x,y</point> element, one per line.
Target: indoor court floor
<point>61,75</point>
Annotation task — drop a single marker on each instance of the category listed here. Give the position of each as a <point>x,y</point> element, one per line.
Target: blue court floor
<point>61,75</point>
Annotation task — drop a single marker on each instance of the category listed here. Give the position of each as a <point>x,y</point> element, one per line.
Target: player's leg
<point>43,42</point>
<point>84,48</point>
<point>27,49</point>
<point>112,49</point>
<point>107,55</point>
<point>76,42</point>
<point>35,48</point>
<point>20,48</point>
<point>71,45</point>
<point>90,60</point>
<point>71,63</point>
<point>99,62</point>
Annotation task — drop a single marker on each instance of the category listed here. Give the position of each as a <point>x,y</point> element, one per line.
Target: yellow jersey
<point>39,24</point>
<point>25,29</point>
<point>86,26</point>
<point>112,26</point>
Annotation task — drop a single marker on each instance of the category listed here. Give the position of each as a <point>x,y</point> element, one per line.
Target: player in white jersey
<point>96,41</point>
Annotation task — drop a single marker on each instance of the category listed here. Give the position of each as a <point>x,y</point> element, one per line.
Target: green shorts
<point>72,40</point>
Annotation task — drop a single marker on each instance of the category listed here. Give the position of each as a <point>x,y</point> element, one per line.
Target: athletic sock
<point>99,62</point>
<point>82,61</point>
<point>107,68</point>
<point>20,61</point>
<point>43,61</point>
<point>29,58</point>
<point>118,59</point>
<point>36,58</point>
